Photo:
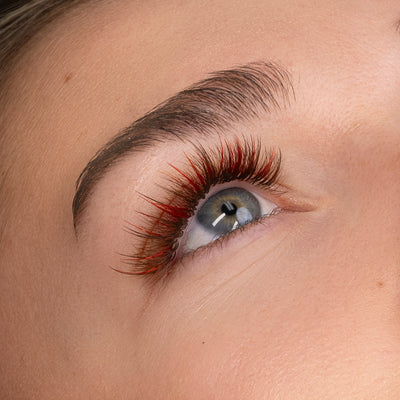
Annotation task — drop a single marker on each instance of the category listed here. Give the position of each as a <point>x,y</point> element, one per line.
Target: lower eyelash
<point>241,159</point>
<point>221,240</point>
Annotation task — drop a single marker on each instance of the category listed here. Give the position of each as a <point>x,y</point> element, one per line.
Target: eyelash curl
<point>239,159</point>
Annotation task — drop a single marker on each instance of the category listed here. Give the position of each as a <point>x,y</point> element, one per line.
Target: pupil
<point>228,208</point>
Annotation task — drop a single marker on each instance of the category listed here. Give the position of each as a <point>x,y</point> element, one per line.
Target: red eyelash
<point>243,159</point>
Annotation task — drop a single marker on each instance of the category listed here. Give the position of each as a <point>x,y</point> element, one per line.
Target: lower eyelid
<point>219,241</point>
<point>236,242</point>
<point>196,235</point>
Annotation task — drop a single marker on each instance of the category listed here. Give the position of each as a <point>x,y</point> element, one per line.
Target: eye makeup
<point>158,231</point>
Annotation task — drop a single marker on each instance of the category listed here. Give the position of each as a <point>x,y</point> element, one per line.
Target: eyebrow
<point>216,103</point>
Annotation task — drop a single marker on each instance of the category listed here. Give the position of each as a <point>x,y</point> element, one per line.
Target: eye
<point>209,194</point>
<point>223,212</point>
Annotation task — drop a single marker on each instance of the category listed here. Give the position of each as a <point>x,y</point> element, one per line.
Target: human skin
<point>303,306</point>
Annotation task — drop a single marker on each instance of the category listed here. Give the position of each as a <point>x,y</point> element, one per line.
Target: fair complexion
<point>302,306</point>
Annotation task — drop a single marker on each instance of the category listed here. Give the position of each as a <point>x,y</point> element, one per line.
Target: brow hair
<point>215,103</point>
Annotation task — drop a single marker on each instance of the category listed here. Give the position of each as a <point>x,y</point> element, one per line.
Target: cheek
<point>307,320</point>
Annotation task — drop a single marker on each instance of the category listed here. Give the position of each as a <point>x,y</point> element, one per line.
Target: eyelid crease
<point>212,105</point>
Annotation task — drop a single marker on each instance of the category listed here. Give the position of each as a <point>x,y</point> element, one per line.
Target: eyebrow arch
<point>224,98</point>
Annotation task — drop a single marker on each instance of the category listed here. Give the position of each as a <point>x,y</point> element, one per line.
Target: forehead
<point>100,68</point>
<point>145,52</point>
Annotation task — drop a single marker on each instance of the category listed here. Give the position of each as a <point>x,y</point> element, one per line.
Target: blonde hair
<point>20,21</point>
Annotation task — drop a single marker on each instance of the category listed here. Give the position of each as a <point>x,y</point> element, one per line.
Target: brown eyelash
<point>241,159</point>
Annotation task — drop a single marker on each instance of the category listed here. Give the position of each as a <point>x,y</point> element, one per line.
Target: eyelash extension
<point>241,159</point>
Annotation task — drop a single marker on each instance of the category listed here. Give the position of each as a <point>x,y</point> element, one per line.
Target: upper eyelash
<point>241,159</point>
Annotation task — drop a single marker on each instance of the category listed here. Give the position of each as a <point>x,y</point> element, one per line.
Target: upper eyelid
<point>203,109</point>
